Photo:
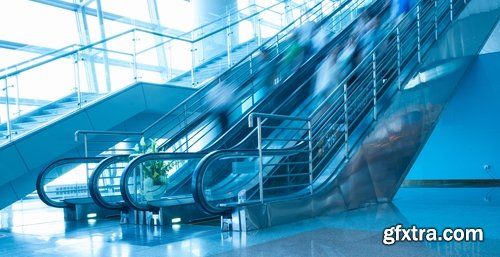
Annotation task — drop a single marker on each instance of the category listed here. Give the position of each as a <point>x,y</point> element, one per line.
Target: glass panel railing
<point>232,180</point>
<point>158,175</point>
<point>109,65</point>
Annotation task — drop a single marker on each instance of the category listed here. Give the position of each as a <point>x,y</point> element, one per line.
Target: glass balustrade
<point>49,86</point>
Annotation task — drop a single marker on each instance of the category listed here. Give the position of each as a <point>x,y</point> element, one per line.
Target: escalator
<point>133,108</point>
<point>179,194</point>
<point>360,142</point>
<point>188,116</point>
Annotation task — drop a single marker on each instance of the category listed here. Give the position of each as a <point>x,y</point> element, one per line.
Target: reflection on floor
<point>37,231</point>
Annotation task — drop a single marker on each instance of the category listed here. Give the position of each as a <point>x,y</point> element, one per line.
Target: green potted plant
<point>154,172</point>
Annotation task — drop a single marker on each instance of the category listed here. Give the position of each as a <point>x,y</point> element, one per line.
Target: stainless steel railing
<point>339,121</point>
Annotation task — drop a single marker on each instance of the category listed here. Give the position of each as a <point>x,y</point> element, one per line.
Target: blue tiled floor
<point>354,233</point>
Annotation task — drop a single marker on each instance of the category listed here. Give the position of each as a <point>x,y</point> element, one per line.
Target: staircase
<point>216,65</point>
<point>44,114</point>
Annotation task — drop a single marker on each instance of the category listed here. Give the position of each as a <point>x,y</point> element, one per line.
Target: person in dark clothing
<point>266,69</point>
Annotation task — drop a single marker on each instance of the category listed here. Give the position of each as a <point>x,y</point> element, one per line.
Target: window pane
<point>128,8</point>
<point>27,22</point>
<point>176,14</point>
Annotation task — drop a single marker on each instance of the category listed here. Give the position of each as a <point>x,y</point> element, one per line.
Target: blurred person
<point>293,56</point>
<point>327,76</point>
<point>361,24</point>
<point>399,8</point>
<point>346,58</point>
<point>305,33</point>
<point>369,37</point>
<point>266,69</point>
<point>320,38</point>
<point>219,100</point>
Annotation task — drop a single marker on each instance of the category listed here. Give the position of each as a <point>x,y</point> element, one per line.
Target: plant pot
<point>153,192</point>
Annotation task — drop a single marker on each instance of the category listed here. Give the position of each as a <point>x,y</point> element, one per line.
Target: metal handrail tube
<point>105,132</point>
<point>254,115</point>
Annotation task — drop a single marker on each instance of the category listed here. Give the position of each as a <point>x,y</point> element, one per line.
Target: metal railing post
<point>309,137</point>
<point>259,35</point>
<point>261,163</point>
<point>134,56</point>
<point>18,102</point>
<point>193,65</point>
<point>229,42</point>
<point>451,10</point>
<point>398,46</point>
<point>185,125</point>
<point>77,79</point>
<point>346,121</point>
<point>418,35</point>
<point>7,109</point>
<point>201,55</point>
<point>435,20</point>
<point>256,29</point>
<point>85,145</point>
<point>374,73</point>
<point>170,60</point>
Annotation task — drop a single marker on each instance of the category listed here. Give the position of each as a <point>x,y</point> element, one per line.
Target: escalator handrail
<point>41,176</point>
<point>94,183</point>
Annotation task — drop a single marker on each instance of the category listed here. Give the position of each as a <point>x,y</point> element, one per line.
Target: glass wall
<point>37,38</point>
<point>33,31</point>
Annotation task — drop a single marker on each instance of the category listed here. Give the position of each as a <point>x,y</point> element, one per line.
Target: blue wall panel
<point>467,136</point>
